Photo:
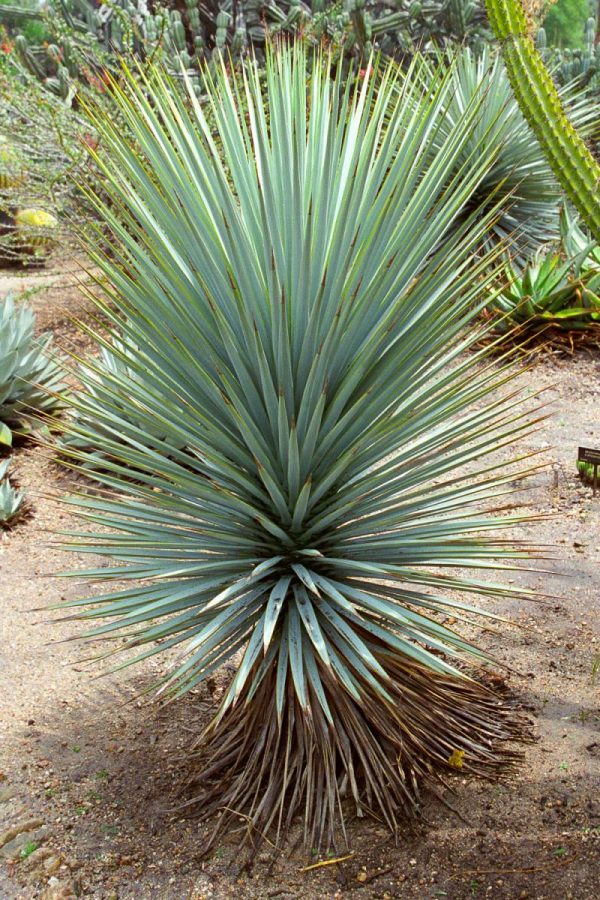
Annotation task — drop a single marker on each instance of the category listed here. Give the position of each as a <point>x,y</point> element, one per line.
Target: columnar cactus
<point>570,159</point>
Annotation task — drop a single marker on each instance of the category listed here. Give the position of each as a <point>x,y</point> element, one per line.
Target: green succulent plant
<point>550,290</point>
<point>29,373</point>
<point>586,471</point>
<point>11,500</point>
<point>281,261</point>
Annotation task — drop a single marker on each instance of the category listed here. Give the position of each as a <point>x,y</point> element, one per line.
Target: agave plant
<point>11,500</point>
<point>517,168</point>
<point>301,317</point>
<point>549,290</point>
<point>29,375</point>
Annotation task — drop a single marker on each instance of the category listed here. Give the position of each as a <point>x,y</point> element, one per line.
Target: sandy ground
<point>88,772</point>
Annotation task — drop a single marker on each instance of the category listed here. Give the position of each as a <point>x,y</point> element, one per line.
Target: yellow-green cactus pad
<point>35,228</point>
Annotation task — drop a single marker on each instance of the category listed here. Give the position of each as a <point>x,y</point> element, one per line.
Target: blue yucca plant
<point>281,256</point>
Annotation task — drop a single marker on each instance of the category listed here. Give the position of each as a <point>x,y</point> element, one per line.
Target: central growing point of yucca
<point>293,425</point>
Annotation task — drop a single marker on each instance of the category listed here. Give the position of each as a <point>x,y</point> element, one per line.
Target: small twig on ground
<point>327,862</point>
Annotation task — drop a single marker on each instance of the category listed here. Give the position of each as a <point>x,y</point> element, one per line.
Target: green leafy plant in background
<point>558,285</point>
<point>29,848</point>
<point>72,54</point>
<point>11,500</point>
<point>26,14</point>
<point>571,160</point>
<point>564,22</point>
<point>518,176</point>
<point>29,373</point>
<point>301,315</point>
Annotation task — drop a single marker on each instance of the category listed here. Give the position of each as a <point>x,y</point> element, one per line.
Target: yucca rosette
<point>286,260</point>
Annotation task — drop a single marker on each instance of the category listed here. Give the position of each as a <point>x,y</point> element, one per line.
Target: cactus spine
<point>572,163</point>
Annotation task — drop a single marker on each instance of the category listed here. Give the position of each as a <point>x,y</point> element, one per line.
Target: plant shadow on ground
<point>109,778</point>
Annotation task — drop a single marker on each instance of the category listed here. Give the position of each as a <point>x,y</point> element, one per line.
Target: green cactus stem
<point>570,159</point>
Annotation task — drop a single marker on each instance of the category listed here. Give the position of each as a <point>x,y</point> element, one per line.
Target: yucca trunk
<point>374,757</point>
<point>302,303</point>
